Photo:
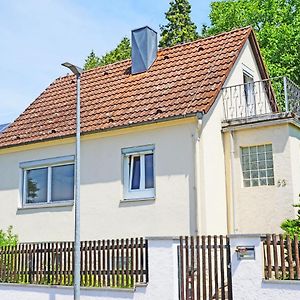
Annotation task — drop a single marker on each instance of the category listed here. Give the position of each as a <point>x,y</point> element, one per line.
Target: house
<point>185,140</point>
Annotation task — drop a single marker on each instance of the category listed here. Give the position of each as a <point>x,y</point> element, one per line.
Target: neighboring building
<point>191,143</point>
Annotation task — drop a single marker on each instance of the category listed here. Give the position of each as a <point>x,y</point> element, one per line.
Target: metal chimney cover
<point>144,49</point>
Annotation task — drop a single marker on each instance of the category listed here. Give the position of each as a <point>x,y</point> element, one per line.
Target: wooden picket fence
<point>281,257</point>
<point>205,268</point>
<point>107,263</point>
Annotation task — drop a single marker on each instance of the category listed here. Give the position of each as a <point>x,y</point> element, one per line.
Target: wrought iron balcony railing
<point>259,98</point>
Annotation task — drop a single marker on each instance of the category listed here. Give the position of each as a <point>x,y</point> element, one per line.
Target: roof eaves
<point>166,119</point>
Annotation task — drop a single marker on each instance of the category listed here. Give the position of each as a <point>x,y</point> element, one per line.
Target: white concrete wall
<point>163,279</point>
<point>268,205</point>
<point>212,189</point>
<point>247,276</point>
<point>103,213</point>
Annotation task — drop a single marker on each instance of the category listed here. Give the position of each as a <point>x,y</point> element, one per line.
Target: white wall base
<point>247,275</point>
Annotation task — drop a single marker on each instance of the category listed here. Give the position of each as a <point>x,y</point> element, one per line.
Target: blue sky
<point>37,36</point>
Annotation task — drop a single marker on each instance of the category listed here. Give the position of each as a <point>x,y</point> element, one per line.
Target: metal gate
<point>204,268</point>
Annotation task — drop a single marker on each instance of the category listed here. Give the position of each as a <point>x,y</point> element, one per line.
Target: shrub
<point>8,238</point>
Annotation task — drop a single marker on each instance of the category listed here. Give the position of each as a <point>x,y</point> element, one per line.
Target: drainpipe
<point>233,196</point>
<point>197,169</point>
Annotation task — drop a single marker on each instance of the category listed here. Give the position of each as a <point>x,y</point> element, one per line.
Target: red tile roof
<point>184,80</point>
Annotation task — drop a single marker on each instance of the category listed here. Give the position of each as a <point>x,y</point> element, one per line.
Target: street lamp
<point>77,71</point>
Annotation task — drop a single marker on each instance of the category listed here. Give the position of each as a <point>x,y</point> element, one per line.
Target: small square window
<point>138,174</point>
<point>260,167</point>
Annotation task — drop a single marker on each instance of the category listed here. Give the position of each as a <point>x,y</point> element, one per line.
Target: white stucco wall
<point>212,207</point>
<point>267,205</point>
<point>247,276</point>
<point>103,213</point>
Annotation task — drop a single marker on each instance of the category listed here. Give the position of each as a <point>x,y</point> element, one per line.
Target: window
<point>48,181</point>
<point>138,172</point>
<point>248,89</point>
<point>257,165</point>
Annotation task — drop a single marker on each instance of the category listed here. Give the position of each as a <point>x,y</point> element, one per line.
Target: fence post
<point>163,269</point>
<point>247,274</point>
<point>286,98</point>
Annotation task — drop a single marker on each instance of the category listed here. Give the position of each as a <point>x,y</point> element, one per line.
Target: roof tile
<point>184,79</point>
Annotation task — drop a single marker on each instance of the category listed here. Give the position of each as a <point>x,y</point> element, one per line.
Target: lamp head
<point>75,70</point>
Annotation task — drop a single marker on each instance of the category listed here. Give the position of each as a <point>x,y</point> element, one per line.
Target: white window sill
<point>47,205</point>
<point>137,199</point>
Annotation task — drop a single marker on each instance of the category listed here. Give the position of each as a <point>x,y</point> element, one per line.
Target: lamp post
<point>77,71</point>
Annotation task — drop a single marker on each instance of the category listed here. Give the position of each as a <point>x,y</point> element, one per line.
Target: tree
<point>180,28</point>
<point>277,27</point>
<point>92,61</point>
<point>121,52</point>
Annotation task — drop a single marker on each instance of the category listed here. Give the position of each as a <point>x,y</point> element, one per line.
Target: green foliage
<point>8,238</point>
<point>292,226</point>
<point>92,61</point>
<point>121,52</point>
<point>180,28</point>
<point>277,27</point>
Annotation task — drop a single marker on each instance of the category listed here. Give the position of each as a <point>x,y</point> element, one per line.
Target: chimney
<point>144,49</point>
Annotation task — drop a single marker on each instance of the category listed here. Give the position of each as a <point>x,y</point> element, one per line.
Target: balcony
<point>260,98</point>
